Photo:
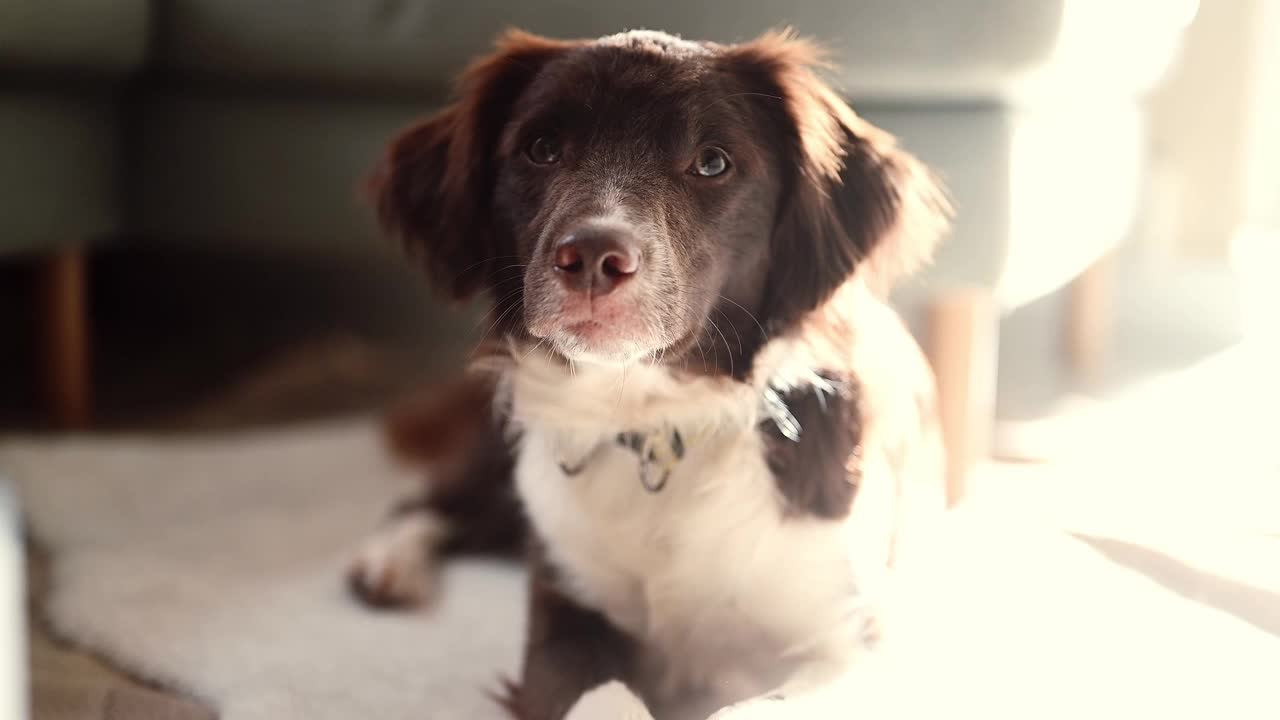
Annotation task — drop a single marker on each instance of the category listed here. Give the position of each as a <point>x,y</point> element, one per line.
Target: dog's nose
<point>596,261</point>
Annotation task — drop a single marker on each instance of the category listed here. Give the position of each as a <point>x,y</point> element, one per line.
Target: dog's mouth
<point>603,342</point>
<point>598,333</point>
<point>621,331</point>
<point>633,336</point>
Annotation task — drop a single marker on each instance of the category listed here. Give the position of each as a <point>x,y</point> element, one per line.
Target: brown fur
<point>439,422</point>
<point>855,196</point>
<point>452,429</point>
<point>818,472</point>
<point>434,187</point>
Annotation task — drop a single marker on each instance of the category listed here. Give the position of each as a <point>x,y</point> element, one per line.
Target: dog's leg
<point>469,506</point>
<point>396,565</point>
<point>576,662</point>
<point>478,513</point>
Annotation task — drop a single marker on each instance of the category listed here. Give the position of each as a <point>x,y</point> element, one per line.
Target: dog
<point>694,409</point>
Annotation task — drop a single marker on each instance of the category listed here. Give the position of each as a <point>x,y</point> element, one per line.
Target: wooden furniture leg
<point>963,336</point>
<point>1087,324</point>
<point>61,287</point>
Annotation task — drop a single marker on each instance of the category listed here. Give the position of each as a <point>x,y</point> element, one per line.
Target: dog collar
<point>660,451</point>
<point>657,451</point>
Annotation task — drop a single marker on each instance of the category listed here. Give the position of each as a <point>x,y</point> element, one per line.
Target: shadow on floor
<point>1254,605</point>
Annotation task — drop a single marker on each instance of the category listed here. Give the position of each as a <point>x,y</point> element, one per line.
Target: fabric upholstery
<point>59,181</point>
<point>84,36</point>
<point>1039,192</point>
<point>960,47</point>
<point>259,172</point>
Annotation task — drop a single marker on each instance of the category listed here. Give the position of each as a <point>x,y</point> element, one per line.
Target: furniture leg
<point>1087,325</point>
<point>963,336</point>
<point>62,300</point>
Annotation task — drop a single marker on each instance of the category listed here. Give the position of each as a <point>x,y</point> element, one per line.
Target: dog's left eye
<point>711,162</point>
<point>544,151</point>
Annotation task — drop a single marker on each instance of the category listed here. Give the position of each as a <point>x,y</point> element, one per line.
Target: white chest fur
<point>710,572</point>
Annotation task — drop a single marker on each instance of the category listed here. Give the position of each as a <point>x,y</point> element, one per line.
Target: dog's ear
<point>853,199</point>
<point>434,187</point>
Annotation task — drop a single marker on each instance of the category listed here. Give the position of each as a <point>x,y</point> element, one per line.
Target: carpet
<point>213,565</point>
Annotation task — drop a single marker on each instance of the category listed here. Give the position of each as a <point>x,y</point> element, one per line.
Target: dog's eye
<point>711,162</point>
<point>544,151</point>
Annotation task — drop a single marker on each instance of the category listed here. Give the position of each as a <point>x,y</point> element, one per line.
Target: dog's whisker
<point>495,307</point>
<point>763,333</point>
<point>515,276</point>
<point>727,349</point>
<point>474,265</point>
<point>731,96</point>
<point>531,350</point>
<point>495,324</point>
<point>732,327</point>
<point>701,352</point>
<point>622,387</point>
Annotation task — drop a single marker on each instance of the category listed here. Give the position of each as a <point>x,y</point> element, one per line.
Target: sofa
<point>243,123</point>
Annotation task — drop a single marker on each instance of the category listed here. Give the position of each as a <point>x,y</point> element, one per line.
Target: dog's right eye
<point>711,162</point>
<point>544,151</point>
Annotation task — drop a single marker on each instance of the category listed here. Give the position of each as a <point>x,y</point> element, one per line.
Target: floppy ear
<point>434,187</point>
<point>854,200</point>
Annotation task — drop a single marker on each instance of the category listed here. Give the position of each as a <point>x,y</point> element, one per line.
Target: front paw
<point>393,568</point>
<point>610,701</point>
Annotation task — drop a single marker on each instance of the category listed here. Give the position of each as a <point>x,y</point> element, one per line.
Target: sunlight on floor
<point>1169,468</point>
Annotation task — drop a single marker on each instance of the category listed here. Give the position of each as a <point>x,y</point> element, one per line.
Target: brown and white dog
<point>701,416</point>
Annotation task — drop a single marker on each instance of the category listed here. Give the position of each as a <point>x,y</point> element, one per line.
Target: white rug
<point>214,566</point>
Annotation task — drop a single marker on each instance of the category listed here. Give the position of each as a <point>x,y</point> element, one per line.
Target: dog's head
<point>646,198</point>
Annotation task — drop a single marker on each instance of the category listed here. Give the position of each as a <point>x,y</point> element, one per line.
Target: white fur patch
<point>730,592</point>
<point>394,565</point>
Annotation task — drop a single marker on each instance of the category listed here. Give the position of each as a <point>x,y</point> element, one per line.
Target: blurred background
<point>183,246</point>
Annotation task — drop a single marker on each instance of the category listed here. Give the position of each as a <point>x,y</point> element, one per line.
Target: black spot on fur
<point>812,446</point>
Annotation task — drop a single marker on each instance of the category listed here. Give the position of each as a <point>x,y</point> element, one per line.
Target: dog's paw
<point>394,567</point>
<point>610,701</point>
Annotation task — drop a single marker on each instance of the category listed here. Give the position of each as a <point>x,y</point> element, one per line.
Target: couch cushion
<point>913,48</point>
<point>1020,180</point>
<point>60,169</point>
<point>418,45</point>
<point>73,35</point>
<point>258,172</point>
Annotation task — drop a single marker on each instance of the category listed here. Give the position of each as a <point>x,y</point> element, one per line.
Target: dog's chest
<point>708,571</point>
